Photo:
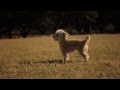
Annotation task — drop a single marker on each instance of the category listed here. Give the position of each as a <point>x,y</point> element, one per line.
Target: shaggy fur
<point>67,45</point>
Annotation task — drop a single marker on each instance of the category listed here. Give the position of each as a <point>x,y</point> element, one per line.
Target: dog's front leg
<point>66,57</point>
<point>64,61</point>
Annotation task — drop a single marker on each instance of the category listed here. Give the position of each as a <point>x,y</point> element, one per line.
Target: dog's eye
<point>56,34</point>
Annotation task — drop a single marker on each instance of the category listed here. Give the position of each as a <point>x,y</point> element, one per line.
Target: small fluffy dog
<point>66,45</point>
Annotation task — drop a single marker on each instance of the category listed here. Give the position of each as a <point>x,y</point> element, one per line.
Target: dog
<point>67,45</point>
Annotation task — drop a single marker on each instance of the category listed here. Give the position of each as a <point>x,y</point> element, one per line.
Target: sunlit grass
<point>40,57</point>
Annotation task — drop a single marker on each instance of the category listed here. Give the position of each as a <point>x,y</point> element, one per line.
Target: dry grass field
<point>40,58</point>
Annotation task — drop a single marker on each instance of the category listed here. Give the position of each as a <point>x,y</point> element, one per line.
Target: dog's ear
<point>66,35</point>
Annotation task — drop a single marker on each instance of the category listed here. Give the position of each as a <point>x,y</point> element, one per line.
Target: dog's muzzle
<point>54,37</point>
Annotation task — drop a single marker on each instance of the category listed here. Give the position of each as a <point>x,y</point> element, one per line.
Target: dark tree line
<point>46,22</point>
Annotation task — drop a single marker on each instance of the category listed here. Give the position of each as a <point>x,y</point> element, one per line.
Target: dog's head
<point>60,35</point>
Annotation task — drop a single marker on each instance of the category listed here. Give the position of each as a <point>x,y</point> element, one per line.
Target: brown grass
<point>40,58</point>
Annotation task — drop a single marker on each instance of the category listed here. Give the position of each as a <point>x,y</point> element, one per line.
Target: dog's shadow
<point>46,62</point>
<point>54,61</point>
<point>50,61</point>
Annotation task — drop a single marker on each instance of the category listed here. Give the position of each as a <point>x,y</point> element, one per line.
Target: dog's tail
<point>87,40</point>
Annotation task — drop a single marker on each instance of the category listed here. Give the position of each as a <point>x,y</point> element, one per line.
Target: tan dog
<point>68,46</point>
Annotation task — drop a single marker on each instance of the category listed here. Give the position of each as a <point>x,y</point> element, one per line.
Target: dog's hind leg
<point>84,53</point>
<point>86,56</point>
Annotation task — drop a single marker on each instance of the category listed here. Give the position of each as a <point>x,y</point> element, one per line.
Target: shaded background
<point>24,23</point>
